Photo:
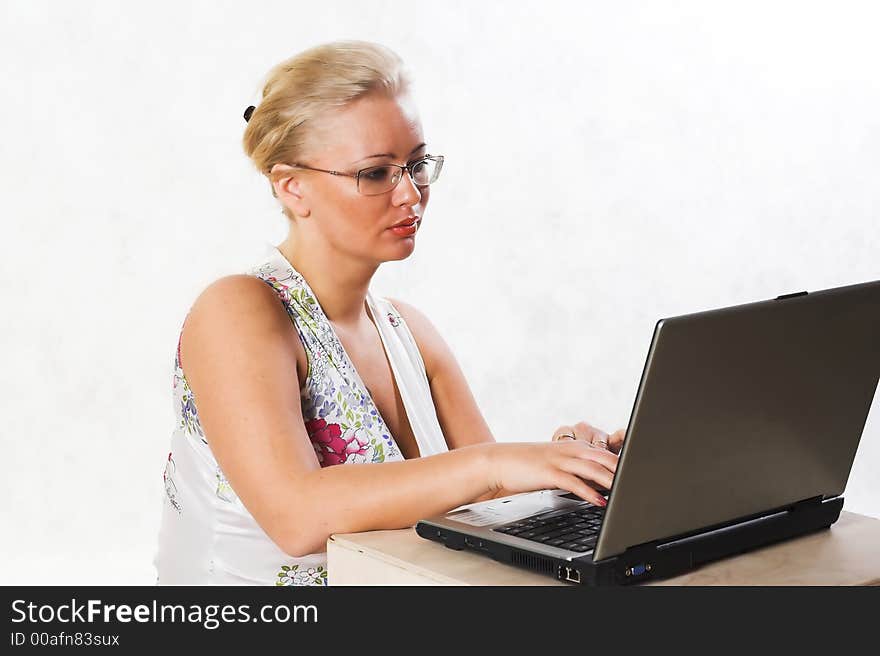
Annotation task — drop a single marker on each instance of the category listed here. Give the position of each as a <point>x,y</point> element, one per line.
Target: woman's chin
<point>403,251</point>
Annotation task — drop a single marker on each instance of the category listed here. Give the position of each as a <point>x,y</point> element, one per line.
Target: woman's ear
<point>287,188</point>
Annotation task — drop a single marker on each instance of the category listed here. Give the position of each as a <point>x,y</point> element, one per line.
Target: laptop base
<point>656,560</point>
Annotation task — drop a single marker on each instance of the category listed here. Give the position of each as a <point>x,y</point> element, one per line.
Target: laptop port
<point>638,570</point>
<point>572,575</point>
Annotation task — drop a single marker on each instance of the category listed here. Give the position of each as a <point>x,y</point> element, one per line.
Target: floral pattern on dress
<point>333,449</point>
<point>224,489</point>
<point>300,575</point>
<point>359,435</point>
<point>170,487</point>
<point>185,401</point>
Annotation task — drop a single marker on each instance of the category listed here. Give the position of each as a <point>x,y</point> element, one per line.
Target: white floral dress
<point>207,536</point>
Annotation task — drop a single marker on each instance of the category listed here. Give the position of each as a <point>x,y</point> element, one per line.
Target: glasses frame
<point>407,167</point>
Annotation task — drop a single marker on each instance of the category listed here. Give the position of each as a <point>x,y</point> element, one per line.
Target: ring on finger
<point>568,435</point>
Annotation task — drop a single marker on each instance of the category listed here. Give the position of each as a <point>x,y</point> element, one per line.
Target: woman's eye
<point>378,174</point>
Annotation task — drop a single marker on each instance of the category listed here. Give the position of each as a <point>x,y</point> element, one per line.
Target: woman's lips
<point>406,230</point>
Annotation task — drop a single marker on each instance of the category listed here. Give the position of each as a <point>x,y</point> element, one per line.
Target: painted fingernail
<point>602,502</point>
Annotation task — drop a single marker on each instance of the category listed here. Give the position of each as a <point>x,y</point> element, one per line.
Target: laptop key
<point>574,546</point>
<point>535,534</point>
<point>557,533</point>
<point>561,524</point>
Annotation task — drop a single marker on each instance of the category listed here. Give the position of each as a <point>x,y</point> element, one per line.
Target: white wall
<point>661,158</point>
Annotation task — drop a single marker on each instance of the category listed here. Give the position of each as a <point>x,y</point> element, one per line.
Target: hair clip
<point>248,112</point>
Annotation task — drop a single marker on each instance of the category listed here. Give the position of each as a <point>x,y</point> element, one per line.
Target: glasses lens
<point>428,170</point>
<point>379,179</point>
<point>421,172</point>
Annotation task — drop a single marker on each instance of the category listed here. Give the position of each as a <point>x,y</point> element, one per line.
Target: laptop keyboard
<point>577,530</point>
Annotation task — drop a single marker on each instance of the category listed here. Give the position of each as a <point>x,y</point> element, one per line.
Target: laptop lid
<point>745,409</point>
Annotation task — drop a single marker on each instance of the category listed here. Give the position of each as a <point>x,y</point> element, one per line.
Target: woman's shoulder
<point>237,294</point>
<point>238,309</point>
<point>409,312</point>
<point>432,346</point>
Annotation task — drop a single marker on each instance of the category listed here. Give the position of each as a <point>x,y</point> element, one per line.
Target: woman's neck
<point>339,283</point>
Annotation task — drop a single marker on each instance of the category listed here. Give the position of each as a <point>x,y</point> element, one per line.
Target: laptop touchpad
<point>496,511</point>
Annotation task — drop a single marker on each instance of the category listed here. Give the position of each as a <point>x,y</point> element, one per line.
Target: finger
<point>585,431</point>
<point>589,471</point>
<point>576,485</point>
<point>589,433</point>
<point>584,458</point>
<point>615,440</point>
<point>588,452</point>
<point>564,433</point>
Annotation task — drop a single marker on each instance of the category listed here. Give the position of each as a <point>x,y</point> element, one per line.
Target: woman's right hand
<point>572,465</point>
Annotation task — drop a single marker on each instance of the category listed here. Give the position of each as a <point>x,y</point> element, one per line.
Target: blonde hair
<point>298,91</point>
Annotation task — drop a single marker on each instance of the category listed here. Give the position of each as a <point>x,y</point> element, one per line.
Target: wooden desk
<point>845,554</point>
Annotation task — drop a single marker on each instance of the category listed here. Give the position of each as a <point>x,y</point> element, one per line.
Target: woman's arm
<point>457,411</point>
<point>239,353</point>
<point>460,418</point>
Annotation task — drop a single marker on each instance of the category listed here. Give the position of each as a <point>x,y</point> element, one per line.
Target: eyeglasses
<point>380,179</point>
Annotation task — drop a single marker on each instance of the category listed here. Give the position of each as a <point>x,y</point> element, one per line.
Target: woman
<point>295,366</point>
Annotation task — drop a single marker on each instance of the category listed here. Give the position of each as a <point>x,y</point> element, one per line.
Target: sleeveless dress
<point>206,535</point>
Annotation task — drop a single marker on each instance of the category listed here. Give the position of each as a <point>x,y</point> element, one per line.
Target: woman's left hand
<point>595,436</point>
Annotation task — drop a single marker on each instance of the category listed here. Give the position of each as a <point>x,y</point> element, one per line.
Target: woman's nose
<point>407,189</point>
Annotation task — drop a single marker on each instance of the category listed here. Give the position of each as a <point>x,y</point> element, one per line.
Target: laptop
<point>743,433</point>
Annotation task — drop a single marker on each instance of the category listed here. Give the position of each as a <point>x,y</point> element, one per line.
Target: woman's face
<point>375,129</point>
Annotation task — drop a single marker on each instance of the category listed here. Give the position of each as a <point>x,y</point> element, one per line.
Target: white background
<point>608,164</point>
